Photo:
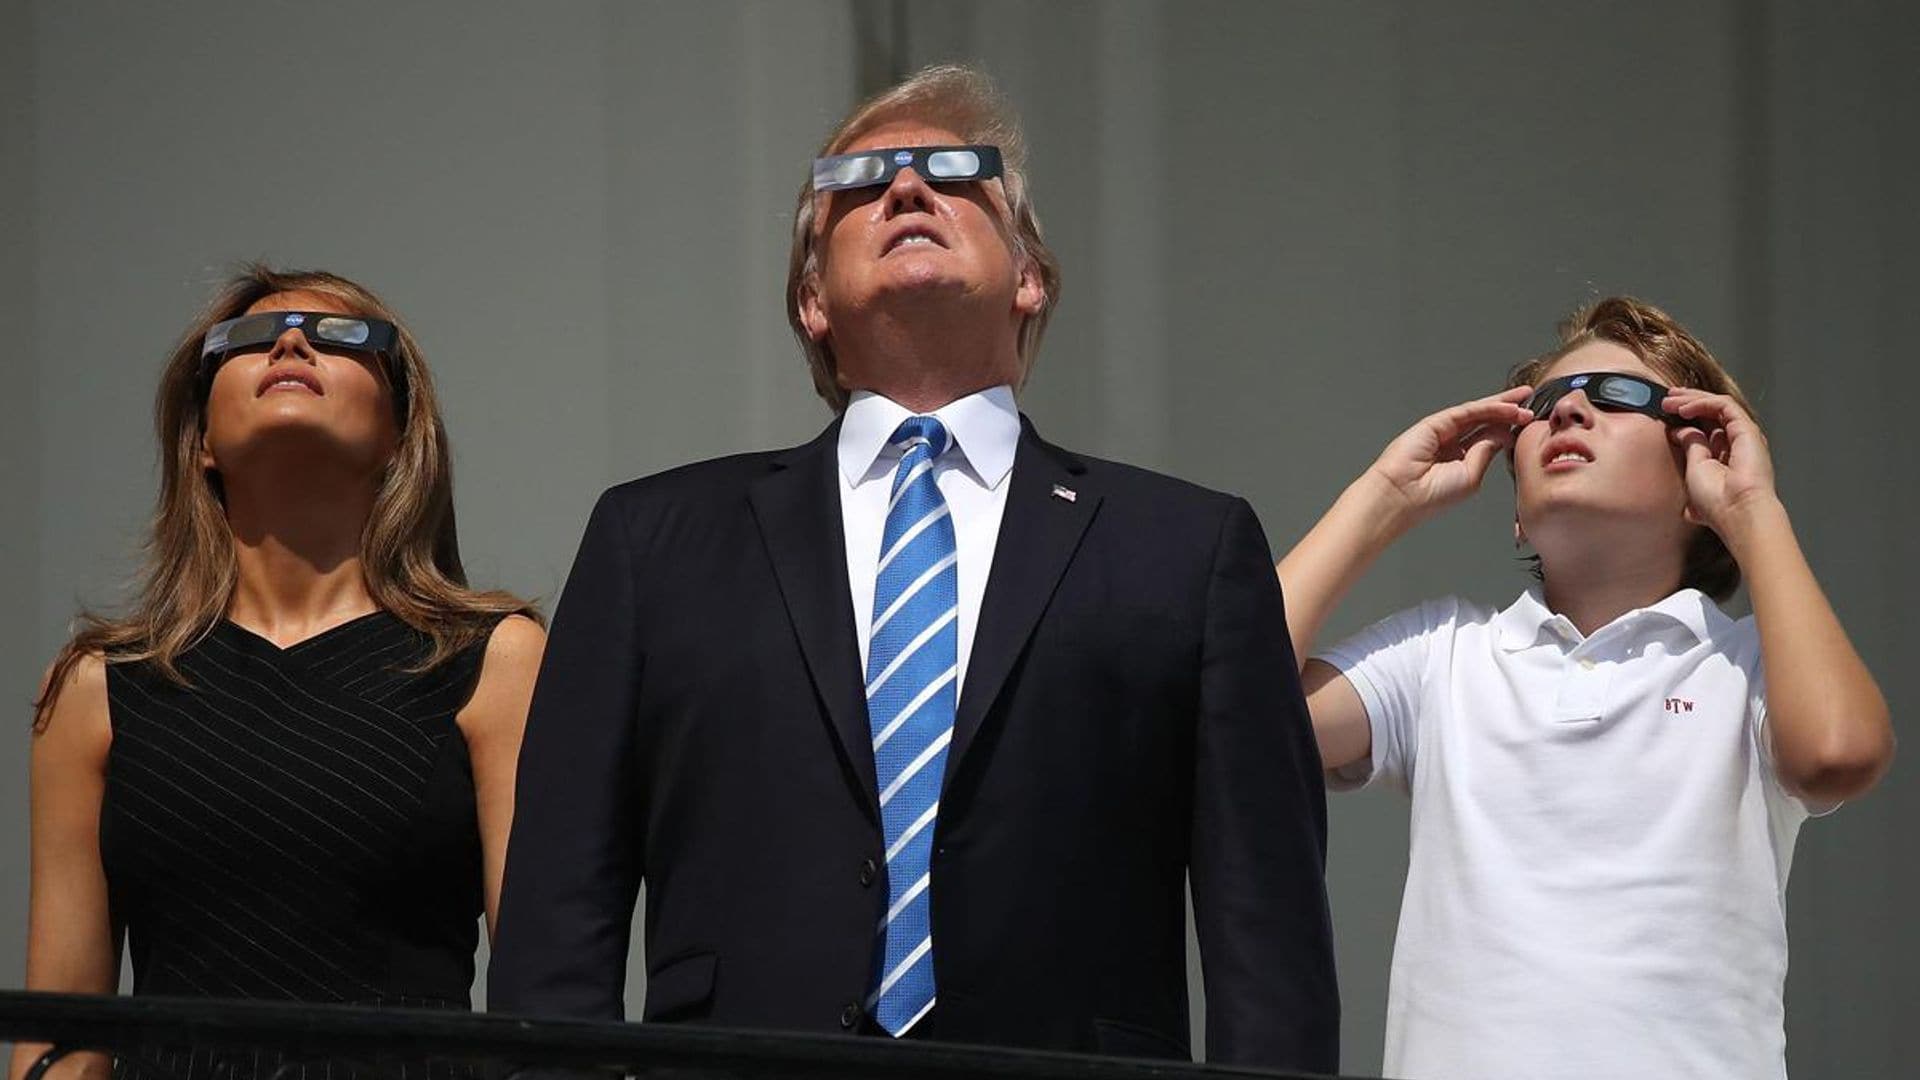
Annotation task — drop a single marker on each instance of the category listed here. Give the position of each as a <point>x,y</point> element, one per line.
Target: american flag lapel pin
<point>1061,491</point>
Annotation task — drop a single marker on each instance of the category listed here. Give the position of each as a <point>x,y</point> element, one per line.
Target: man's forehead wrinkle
<point>903,132</point>
<point>960,118</point>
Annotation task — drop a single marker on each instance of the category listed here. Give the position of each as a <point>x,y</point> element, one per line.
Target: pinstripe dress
<point>294,824</point>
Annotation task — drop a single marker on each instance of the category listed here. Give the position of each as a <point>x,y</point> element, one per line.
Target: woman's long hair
<point>409,554</point>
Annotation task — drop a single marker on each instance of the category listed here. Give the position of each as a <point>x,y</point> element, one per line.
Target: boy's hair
<point>1678,357</point>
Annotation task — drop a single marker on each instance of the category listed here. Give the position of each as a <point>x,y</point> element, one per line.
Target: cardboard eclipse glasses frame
<point>938,164</point>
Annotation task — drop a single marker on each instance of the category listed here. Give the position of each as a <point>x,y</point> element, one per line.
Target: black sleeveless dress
<point>295,825</point>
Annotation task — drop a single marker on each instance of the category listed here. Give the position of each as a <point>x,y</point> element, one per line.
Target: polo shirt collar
<point>1527,620</point>
<point>985,427</point>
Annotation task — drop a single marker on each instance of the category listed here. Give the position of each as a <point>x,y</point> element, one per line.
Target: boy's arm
<point>1432,465</point>
<point>1827,720</point>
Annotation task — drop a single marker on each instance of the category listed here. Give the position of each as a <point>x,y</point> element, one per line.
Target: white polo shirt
<point>1599,846</point>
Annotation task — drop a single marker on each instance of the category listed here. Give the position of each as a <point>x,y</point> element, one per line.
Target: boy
<point>1606,783</point>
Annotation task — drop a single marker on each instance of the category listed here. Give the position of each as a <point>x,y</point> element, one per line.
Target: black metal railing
<point>384,1041</point>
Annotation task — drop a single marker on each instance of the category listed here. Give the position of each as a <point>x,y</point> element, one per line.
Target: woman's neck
<point>297,544</point>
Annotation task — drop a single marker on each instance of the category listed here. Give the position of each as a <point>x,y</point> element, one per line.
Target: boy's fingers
<point>1480,457</point>
<point>1466,422</point>
<point>1698,446</point>
<point>1499,434</point>
<point>1698,452</point>
<point>1484,409</point>
<point>1695,403</point>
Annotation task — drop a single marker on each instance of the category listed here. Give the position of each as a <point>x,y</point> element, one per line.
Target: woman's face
<point>332,406</point>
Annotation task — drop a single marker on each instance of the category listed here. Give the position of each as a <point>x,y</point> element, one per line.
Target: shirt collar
<point>985,427</point>
<point>1527,619</point>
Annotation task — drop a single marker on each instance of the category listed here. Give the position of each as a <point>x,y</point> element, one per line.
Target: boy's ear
<point>1519,533</point>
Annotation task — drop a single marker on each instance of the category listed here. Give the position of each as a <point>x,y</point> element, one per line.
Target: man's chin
<point>920,277</point>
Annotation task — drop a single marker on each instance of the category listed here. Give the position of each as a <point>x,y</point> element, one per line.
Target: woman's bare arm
<point>493,722</point>
<point>71,945</point>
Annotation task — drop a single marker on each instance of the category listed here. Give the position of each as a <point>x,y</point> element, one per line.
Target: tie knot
<point>922,431</point>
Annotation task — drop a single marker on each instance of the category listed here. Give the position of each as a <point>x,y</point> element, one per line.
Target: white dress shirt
<point>972,477</point>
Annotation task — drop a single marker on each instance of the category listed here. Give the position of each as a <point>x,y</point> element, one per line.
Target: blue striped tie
<point>912,685</point>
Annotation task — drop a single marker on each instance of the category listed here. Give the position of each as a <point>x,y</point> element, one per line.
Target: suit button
<point>868,871</point>
<point>850,1015</point>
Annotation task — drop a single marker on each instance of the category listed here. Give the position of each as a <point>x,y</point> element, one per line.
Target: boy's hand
<point>1442,459</point>
<point>1729,469</point>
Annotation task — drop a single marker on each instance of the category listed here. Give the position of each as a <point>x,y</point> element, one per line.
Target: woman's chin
<point>301,444</point>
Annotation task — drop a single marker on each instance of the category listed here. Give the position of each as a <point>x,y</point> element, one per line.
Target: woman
<point>287,773</point>
<point>1606,784</point>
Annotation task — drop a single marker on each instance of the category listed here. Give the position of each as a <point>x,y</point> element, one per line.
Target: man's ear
<point>1030,297</point>
<point>813,313</point>
<point>1519,533</point>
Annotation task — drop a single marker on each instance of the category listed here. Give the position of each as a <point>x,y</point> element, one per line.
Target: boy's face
<point>1580,467</point>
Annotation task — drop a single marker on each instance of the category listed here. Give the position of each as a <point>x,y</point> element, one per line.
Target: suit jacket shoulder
<point>1149,486</point>
<point>721,478</point>
<point>714,486</point>
<point>1156,510</point>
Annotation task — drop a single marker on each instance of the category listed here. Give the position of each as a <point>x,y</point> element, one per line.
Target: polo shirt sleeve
<point>1387,665</point>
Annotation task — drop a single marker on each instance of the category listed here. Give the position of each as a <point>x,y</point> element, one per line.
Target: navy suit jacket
<point>1131,716</point>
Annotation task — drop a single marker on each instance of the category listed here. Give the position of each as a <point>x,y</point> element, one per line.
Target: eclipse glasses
<point>1610,390</point>
<point>935,163</point>
<point>323,329</point>
<point>320,327</point>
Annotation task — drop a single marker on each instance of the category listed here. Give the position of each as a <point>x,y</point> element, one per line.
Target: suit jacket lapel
<point>797,507</point>
<point>1048,510</point>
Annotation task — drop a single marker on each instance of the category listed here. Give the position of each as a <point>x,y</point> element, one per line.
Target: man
<point>919,729</point>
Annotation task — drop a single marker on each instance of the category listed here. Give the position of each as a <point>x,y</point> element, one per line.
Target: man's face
<point>1579,459</point>
<point>913,241</point>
